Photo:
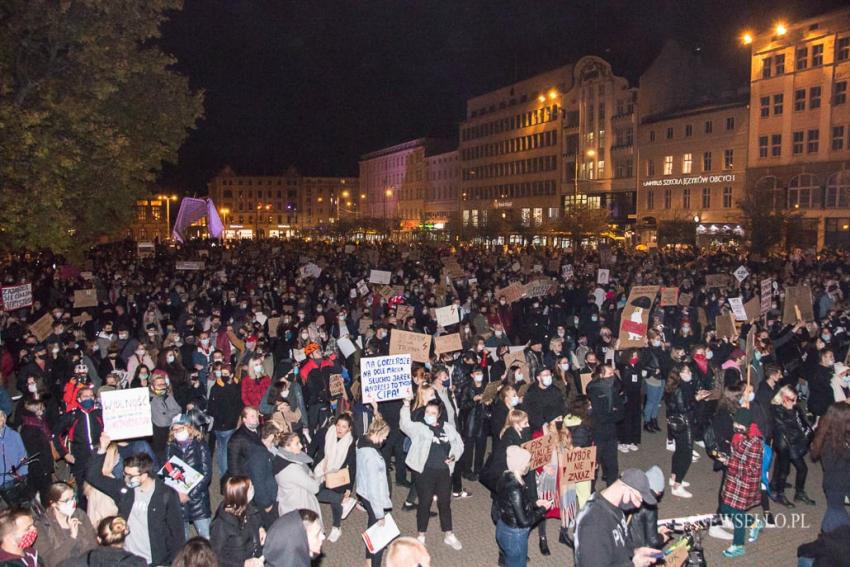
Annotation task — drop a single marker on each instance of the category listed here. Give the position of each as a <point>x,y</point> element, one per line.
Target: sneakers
<point>334,535</point>
<point>633,447</point>
<point>347,506</point>
<point>408,506</point>
<point>671,445</point>
<point>700,444</point>
<point>421,538</point>
<point>694,456</point>
<point>461,494</point>
<point>734,551</point>
<point>717,532</point>
<point>684,483</point>
<point>679,490</point>
<point>804,498</point>
<point>755,530</point>
<point>623,448</point>
<point>452,541</point>
<point>727,524</point>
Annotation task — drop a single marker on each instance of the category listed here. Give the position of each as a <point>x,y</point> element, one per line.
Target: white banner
<point>385,378</point>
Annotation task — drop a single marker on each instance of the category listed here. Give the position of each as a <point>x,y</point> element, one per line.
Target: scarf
<point>336,451</point>
<point>40,424</point>
<point>701,362</point>
<point>302,458</point>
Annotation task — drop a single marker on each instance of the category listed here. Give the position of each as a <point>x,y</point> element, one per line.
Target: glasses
<point>66,500</point>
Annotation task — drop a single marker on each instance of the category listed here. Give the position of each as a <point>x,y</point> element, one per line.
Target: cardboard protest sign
<point>737,305</point>
<point>716,280</point>
<point>539,287</point>
<point>16,297</point>
<point>85,298</point>
<point>179,475</point>
<point>685,299</point>
<point>725,326</point>
<point>362,288</point>
<point>447,316</point>
<point>669,297</point>
<point>798,299</point>
<point>511,293</point>
<point>417,345</point>
<point>336,386</point>
<point>385,378</point>
<point>633,323</point>
<point>752,308</point>
<point>365,324</point>
<point>741,273</point>
<point>385,291</point>
<point>578,465</point>
<point>345,346</point>
<point>43,327</point>
<point>447,343</point>
<point>193,266</point>
<point>126,413</point>
<point>602,276</point>
<point>402,312</point>
<point>490,392</point>
<point>82,318</point>
<point>567,272</point>
<point>766,295</point>
<point>274,323</point>
<point>541,450</point>
<point>379,277</point>
<point>512,358</point>
<point>585,378</point>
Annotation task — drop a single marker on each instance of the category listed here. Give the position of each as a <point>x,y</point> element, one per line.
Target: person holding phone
<point>682,396</point>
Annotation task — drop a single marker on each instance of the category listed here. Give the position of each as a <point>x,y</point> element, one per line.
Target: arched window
<point>804,192</point>
<point>838,190</point>
<point>772,190</point>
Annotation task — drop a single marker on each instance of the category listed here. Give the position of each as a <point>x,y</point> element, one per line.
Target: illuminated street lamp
<point>388,195</point>
<point>167,199</point>
<point>781,29</point>
<point>747,38</point>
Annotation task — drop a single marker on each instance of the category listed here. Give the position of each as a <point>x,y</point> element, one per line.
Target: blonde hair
<point>194,433</point>
<point>406,552</point>
<point>515,417</point>
<point>784,392</point>
<point>377,427</point>
<point>420,397</point>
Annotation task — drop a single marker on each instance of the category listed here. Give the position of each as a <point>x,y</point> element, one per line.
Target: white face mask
<point>32,388</point>
<point>499,333</point>
<point>478,377</point>
<point>258,368</point>
<point>67,508</point>
<point>250,494</point>
<point>514,402</point>
<point>205,342</point>
<point>181,436</point>
<point>686,377</point>
<point>709,354</point>
<point>564,367</point>
<point>170,358</point>
<point>547,380</point>
<point>518,376</point>
<point>431,419</point>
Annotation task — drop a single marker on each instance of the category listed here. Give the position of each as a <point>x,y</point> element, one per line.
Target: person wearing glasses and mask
<point>64,530</point>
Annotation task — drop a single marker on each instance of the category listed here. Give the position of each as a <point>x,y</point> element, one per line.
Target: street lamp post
<point>167,199</point>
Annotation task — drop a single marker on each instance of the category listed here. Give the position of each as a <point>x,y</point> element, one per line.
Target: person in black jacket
<point>237,534</point>
<point>473,428</point>
<point>260,465</point>
<point>607,402</point>
<point>82,428</point>
<point>225,406</point>
<point>542,401</point>
<point>239,445</point>
<point>682,395</point>
<point>643,524</point>
<point>35,433</point>
<point>821,395</point>
<point>518,512</point>
<point>186,443</point>
<point>628,430</point>
<point>792,434</point>
<point>160,536</point>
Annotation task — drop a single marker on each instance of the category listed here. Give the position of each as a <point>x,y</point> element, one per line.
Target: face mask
<point>143,376</point>
<point>181,436</point>
<point>33,388</point>
<point>447,383</point>
<point>751,396</point>
<point>561,333</point>
<point>87,404</point>
<point>519,377</point>
<point>123,336</point>
<point>477,377</point>
<point>514,402</point>
<point>284,393</point>
<point>499,333</point>
<point>547,380</point>
<point>170,359</point>
<point>258,368</point>
<point>826,338</point>
<point>205,342</point>
<point>252,426</point>
<point>431,419</point>
<point>28,539</point>
<point>709,355</point>
<point>134,482</point>
<point>140,353</point>
<point>757,355</point>
<point>686,377</point>
<point>656,343</point>
<point>594,318</point>
<point>218,373</point>
<point>502,302</point>
<point>564,367</point>
<point>251,494</point>
<point>55,351</point>
<point>305,336</point>
<point>67,508</point>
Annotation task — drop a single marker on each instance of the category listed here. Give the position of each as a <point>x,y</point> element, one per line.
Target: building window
<point>817,55</point>
<point>730,123</point>
<point>765,68</point>
<point>812,139</point>
<point>650,168</point>
<point>668,165</point>
<point>727,197</point>
<point>776,145</point>
<point>728,159</point>
<point>652,135</point>
<point>762,146</point>
<point>780,64</point>
<point>843,49</point>
<point>838,138</point>
<point>708,126</point>
<point>668,198</point>
<point>600,169</point>
<point>803,192</point>
<point>650,199</point>
<point>538,216</point>
<point>765,106</point>
<point>689,130</point>
<point>669,133</point>
<point>778,100</point>
<point>687,163</point>
<point>706,161</point>
<point>686,198</point>
<point>797,145</point>
<point>839,93</point>
<point>802,58</point>
<point>838,190</point>
<point>814,97</point>
<point>799,100</point>
<point>706,198</point>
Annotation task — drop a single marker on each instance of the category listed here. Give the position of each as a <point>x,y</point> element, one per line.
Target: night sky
<point>316,84</point>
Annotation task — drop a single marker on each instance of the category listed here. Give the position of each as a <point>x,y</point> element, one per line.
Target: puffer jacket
<point>516,509</point>
<point>791,431</point>
<point>196,454</point>
<point>233,539</point>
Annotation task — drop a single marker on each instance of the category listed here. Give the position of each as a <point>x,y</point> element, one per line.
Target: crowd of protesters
<point>240,354</point>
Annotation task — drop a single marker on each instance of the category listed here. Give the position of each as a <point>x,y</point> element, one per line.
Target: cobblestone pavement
<point>776,547</point>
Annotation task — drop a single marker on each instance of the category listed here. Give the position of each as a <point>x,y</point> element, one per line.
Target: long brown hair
<point>833,432</point>
<point>236,495</point>
<point>674,377</point>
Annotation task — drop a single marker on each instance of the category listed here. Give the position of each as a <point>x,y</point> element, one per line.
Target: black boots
<point>564,537</point>
<point>544,547</point>
<point>801,496</point>
<point>651,426</point>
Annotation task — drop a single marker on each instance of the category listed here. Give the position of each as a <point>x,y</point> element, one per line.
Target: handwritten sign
<point>585,378</point>
<point>127,413</point>
<point>633,323</point>
<point>385,378</point>
<point>310,270</point>
<point>716,280</point>
<point>752,308</point>
<point>447,316</point>
<point>85,298</point>
<point>379,277</point>
<point>336,386</point>
<point>538,287</point>
<point>541,450</point>
<point>16,297</point>
<point>82,318</point>
<point>364,325</point>
<point>602,276</point>
<point>798,305</point>
<point>145,249</point>
<point>511,293</point>
<point>725,325</point>
<point>274,323</point>
<point>741,273</point>
<point>766,295</point>
<point>417,345</point>
<point>737,304</point>
<point>578,465</point>
<point>43,327</point>
<point>402,312</point>
<point>669,297</point>
<point>190,266</point>
<point>685,299</point>
<point>447,343</point>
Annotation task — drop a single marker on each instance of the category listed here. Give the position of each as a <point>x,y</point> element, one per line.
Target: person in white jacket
<point>297,486</point>
<point>371,479</point>
<point>435,447</point>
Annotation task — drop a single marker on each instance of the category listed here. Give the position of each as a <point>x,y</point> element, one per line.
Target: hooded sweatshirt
<point>286,542</point>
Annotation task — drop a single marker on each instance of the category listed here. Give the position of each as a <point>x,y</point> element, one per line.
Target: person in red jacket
<point>255,385</point>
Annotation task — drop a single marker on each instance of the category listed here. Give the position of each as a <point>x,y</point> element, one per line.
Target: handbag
<point>677,423</point>
<point>337,478</point>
